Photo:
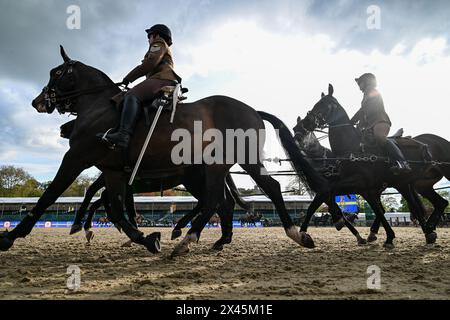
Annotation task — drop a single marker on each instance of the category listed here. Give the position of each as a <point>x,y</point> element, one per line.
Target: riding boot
<point>394,152</point>
<point>130,112</point>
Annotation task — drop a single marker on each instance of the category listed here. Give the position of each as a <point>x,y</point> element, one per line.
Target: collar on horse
<point>64,101</point>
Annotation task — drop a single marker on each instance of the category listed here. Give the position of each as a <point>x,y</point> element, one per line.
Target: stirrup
<point>110,145</point>
<point>400,168</point>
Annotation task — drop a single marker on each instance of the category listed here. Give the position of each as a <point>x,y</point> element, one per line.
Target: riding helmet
<point>163,31</point>
<point>367,80</point>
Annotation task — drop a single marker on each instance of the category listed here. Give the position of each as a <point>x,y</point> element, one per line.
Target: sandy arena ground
<point>259,264</point>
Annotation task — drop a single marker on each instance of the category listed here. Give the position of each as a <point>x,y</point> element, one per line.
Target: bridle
<point>64,101</point>
<point>322,121</point>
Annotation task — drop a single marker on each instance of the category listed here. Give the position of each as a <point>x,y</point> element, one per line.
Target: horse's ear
<point>322,95</point>
<point>330,89</point>
<point>299,119</point>
<point>64,54</point>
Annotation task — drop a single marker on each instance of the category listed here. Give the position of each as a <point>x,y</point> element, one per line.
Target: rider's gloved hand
<point>125,81</point>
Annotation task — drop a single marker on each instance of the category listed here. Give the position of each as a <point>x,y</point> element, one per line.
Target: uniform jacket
<point>371,111</point>
<point>157,63</point>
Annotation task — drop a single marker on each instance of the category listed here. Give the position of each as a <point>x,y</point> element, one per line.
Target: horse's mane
<point>98,73</point>
<point>343,115</point>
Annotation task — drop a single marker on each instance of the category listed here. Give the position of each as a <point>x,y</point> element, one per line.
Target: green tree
<point>390,204</point>
<point>79,186</point>
<point>427,204</point>
<point>12,179</point>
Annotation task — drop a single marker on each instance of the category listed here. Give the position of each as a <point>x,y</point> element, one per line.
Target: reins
<point>77,93</point>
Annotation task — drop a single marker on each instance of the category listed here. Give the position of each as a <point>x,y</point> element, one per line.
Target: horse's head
<point>67,83</point>
<point>62,81</point>
<point>323,113</point>
<point>299,130</point>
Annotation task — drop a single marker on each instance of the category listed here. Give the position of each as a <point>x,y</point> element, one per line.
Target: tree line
<point>16,182</point>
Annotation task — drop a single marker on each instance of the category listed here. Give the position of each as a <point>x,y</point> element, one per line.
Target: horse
<point>323,160</point>
<point>369,175</point>
<point>80,89</point>
<point>66,131</point>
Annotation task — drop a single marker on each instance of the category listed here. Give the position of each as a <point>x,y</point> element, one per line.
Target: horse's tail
<point>305,171</point>
<point>235,193</point>
<point>440,151</point>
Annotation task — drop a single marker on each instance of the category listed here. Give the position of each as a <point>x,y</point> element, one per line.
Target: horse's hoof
<point>176,233</point>
<point>431,237</point>
<point>217,247</point>
<point>180,250</point>
<point>362,242</point>
<point>339,224</point>
<point>388,246</point>
<point>75,228</point>
<point>127,244</point>
<point>152,242</point>
<point>306,240</point>
<point>372,237</point>
<point>89,235</point>
<point>5,242</point>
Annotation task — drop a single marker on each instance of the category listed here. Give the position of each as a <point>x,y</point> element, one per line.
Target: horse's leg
<point>91,212</point>
<point>438,202</point>
<point>130,207</point>
<point>315,204</point>
<point>430,234</point>
<point>131,211</point>
<point>374,201</point>
<point>416,207</point>
<point>335,212</point>
<point>213,194</point>
<point>183,222</point>
<point>225,212</point>
<point>90,193</point>
<point>116,186</point>
<point>69,170</point>
<point>88,223</point>
<point>374,228</point>
<point>271,188</point>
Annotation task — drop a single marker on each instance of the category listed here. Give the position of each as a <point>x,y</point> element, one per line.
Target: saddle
<point>370,150</point>
<point>168,97</point>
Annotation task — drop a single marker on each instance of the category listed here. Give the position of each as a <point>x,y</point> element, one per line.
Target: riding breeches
<point>148,89</point>
<point>380,132</point>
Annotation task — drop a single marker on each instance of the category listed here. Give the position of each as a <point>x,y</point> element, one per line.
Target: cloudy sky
<point>277,56</point>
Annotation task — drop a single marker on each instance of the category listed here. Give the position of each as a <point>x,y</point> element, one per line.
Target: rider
<point>374,120</point>
<point>158,67</point>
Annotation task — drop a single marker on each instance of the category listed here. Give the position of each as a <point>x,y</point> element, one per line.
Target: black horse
<point>324,161</point>
<point>369,174</point>
<point>85,91</point>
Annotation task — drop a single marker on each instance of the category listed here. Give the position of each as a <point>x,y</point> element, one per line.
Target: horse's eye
<point>58,72</point>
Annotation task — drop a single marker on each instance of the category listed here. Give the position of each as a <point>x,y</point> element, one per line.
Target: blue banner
<point>347,203</point>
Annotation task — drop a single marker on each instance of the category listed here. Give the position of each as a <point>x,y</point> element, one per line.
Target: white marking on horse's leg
<point>89,235</point>
<point>294,234</point>
<point>183,246</point>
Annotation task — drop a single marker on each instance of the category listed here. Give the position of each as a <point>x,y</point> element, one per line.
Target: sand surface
<point>259,264</point>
